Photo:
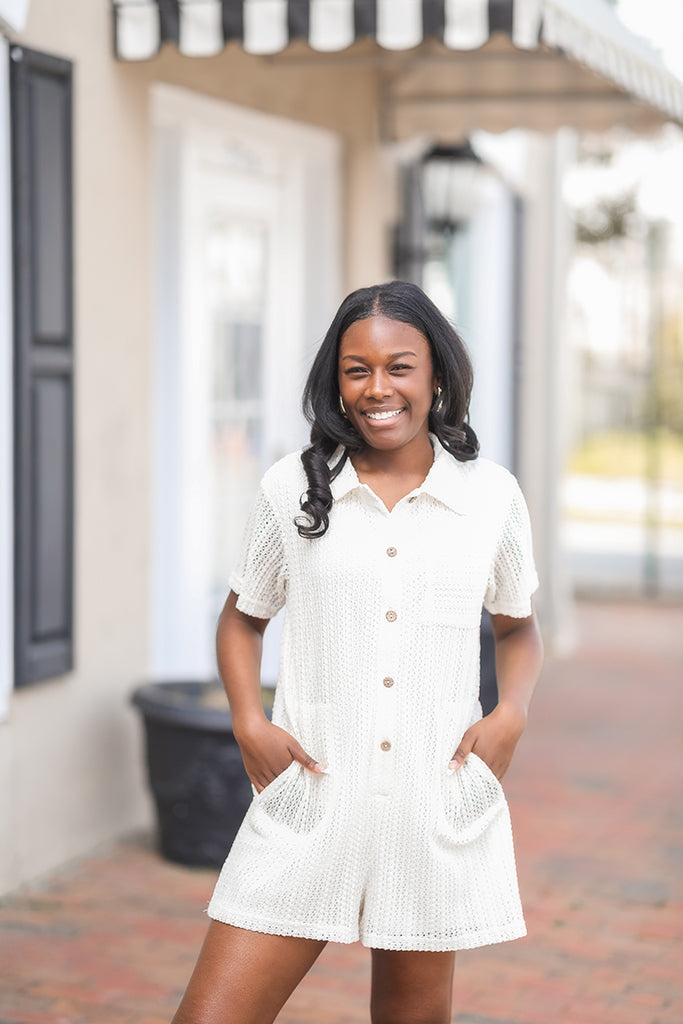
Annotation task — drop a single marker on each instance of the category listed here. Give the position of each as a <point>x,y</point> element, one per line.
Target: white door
<point>236,241</point>
<point>237,271</point>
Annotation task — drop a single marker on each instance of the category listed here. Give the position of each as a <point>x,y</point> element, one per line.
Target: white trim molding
<point>13,15</point>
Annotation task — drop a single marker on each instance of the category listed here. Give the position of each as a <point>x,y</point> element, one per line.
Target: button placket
<point>386,676</point>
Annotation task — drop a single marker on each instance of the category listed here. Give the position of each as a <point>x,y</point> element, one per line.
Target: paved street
<point>595,793</point>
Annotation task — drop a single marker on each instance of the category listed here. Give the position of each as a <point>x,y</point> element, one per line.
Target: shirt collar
<point>445,480</point>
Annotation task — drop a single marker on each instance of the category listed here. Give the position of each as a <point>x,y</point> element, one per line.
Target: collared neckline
<point>445,480</point>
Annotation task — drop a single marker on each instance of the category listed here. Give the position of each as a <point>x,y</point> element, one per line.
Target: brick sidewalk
<point>595,792</point>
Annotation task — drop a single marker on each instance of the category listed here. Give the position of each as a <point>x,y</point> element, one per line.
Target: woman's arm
<point>266,749</point>
<point>519,656</point>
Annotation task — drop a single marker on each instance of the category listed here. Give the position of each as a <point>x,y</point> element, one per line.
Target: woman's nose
<point>380,384</point>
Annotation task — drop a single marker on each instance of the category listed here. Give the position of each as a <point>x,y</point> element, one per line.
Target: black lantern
<point>438,192</point>
<point>450,179</point>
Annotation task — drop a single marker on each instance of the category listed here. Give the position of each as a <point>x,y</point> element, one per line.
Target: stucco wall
<point>71,773</point>
<point>69,768</point>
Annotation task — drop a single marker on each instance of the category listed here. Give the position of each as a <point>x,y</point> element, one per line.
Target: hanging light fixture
<point>450,184</point>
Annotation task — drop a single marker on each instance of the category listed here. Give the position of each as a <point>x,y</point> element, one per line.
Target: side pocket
<point>275,783</point>
<point>485,772</point>
<point>472,798</point>
<point>297,800</point>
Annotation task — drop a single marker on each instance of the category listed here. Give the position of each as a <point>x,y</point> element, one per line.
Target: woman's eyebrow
<point>396,355</point>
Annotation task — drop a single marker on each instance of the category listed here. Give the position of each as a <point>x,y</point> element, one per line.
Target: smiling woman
<point>378,812</point>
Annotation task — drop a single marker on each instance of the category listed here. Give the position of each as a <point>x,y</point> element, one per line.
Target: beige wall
<point>71,772</point>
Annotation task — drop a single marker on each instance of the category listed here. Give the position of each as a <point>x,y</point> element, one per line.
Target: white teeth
<point>383,415</point>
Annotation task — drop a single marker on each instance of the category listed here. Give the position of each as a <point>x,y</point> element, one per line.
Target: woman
<point>378,812</point>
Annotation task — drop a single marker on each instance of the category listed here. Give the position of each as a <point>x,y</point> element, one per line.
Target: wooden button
<point>391,552</point>
<point>385,745</point>
<point>391,616</point>
<point>388,681</point>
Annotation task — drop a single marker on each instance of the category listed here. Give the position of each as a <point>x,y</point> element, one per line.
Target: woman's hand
<point>493,738</point>
<point>267,750</point>
<point>519,655</point>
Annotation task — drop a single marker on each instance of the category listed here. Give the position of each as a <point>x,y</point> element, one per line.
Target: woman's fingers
<point>300,755</point>
<point>461,753</point>
<point>273,754</point>
<point>494,738</point>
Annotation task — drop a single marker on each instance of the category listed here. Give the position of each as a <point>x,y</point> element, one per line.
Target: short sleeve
<point>512,577</point>
<point>259,576</point>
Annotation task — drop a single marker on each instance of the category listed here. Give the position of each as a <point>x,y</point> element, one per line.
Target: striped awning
<point>538,63</point>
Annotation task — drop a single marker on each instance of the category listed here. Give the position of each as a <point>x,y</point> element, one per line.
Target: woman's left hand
<point>519,654</point>
<point>493,738</point>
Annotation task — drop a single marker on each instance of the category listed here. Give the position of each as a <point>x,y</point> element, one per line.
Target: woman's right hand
<point>267,750</point>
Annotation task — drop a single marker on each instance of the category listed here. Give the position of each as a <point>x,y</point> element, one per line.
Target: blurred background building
<point>187,190</point>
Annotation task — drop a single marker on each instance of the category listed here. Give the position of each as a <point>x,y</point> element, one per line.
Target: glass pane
<point>237,279</point>
<point>237,362</point>
<point>446,275</point>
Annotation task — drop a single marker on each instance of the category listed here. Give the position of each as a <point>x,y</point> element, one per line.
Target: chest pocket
<point>452,574</point>
<point>452,590</point>
<point>445,604</point>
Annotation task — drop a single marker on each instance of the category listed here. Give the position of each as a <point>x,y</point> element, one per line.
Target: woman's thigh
<point>244,977</point>
<point>411,987</point>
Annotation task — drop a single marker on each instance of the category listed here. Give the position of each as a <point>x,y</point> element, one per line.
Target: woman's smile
<point>389,414</point>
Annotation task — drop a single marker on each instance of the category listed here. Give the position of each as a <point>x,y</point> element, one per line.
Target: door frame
<point>194,136</point>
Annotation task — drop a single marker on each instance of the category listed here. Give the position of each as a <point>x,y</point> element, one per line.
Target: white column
<point>6,403</point>
<point>543,396</point>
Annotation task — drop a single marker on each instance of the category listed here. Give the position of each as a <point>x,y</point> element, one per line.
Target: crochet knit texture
<point>379,678</point>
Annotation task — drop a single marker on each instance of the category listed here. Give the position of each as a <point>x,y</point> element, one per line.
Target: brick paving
<point>595,792</point>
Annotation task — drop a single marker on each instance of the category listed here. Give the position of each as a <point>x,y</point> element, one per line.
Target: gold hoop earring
<point>342,407</point>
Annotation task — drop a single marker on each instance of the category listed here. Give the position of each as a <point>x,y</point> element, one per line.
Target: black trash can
<point>195,771</point>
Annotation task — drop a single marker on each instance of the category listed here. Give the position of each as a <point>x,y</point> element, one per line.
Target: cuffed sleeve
<point>512,578</point>
<point>259,579</point>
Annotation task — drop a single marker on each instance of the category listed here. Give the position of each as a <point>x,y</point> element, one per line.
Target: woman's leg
<point>411,987</point>
<point>244,977</point>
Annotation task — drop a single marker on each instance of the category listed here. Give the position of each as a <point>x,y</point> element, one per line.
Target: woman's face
<point>387,382</point>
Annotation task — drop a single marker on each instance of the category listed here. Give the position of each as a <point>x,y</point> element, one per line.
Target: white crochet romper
<point>379,679</point>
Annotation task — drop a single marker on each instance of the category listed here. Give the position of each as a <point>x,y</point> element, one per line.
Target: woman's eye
<point>360,371</point>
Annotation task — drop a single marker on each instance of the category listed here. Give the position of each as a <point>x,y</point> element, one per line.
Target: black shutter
<point>40,88</point>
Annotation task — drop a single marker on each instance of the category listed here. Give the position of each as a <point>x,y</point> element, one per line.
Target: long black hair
<point>448,419</point>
